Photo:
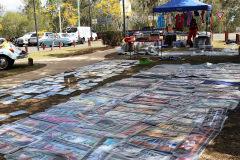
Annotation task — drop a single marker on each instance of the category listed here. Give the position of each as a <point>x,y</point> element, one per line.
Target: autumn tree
<point>68,16</point>
<point>112,8</point>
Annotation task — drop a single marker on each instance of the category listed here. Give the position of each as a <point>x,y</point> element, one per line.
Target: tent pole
<point>206,22</point>
<point>153,20</point>
<point>211,29</point>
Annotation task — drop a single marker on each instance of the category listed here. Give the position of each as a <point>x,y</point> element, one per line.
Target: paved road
<point>221,36</point>
<point>34,48</point>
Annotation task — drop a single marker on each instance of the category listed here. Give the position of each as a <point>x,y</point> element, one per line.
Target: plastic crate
<point>144,61</point>
<point>176,43</point>
<point>208,47</point>
<point>201,47</point>
<point>165,46</point>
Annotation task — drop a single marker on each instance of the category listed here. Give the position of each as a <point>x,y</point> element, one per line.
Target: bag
<point>230,41</point>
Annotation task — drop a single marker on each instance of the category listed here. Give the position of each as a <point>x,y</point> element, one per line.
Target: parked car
<point>81,34</point>
<point>48,42</point>
<point>25,39</point>
<point>1,40</point>
<point>14,40</point>
<point>65,35</point>
<point>9,55</point>
<point>33,38</point>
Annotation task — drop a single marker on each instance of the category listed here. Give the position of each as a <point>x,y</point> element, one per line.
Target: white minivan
<point>81,34</point>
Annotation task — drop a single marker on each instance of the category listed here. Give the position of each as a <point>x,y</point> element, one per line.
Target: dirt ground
<point>224,147</point>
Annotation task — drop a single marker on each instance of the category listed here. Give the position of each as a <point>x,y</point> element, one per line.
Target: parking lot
<point>34,48</point>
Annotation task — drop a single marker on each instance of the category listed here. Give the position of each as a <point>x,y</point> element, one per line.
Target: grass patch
<point>65,52</point>
<point>19,69</point>
<point>221,44</point>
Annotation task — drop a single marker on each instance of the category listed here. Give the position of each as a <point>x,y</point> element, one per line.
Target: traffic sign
<point>109,20</point>
<point>94,21</point>
<point>220,14</point>
<point>101,20</point>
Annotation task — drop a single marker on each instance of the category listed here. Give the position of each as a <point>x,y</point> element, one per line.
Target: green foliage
<point>12,25</point>
<point>112,38</point>
<point>138,25</point>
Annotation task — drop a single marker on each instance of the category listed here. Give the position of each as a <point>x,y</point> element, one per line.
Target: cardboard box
<point>154,36</point>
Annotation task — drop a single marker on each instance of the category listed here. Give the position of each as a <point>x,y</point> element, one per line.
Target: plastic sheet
<point>153,118</point>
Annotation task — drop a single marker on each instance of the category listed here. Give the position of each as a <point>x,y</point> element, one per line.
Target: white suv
<point>33,38</point>
<point>25,39</point>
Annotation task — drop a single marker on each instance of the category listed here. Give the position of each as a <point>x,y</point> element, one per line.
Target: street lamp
<point>36,23</point>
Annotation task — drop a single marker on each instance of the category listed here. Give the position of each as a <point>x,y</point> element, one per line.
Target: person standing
<point>193,28</point>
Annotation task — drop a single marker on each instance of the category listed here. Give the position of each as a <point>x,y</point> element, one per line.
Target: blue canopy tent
<point>182,5</point>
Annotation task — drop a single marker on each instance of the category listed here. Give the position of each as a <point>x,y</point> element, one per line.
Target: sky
<point>12,5</point>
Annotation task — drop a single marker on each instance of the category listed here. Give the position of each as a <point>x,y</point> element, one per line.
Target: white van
<point>81,34</point>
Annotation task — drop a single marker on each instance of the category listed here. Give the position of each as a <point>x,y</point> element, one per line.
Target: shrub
<point>112,38</point>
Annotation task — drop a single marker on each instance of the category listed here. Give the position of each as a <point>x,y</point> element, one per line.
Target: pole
<point>78,13</point>
<point>127,28</point>
<point>95,25</point>
<point>220,26</point>
<point>107,23</point>
<point>124,28</point>
<point>153,20</point>
<point>60,20</point>
<point>206,21</point>
<point>36,23</point>
<point>90,19</point>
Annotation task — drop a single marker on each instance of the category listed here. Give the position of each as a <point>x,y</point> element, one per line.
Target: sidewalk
<point>55,66</point>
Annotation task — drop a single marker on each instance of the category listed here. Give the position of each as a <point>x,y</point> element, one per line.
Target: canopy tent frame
<point>181,6</point>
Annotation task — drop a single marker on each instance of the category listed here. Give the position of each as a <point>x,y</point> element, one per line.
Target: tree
<point>68,16</point>
<point>1,10</point>
<point>113,9</point>
<point>11,25</point>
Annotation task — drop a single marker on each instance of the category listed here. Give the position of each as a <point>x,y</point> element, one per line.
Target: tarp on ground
<point>182,5</point>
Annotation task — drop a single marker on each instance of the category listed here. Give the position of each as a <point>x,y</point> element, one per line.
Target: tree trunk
<point>53,43</point>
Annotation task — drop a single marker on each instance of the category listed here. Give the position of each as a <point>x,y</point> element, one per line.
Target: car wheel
<point>5,62</point>
<point>70,44</point>
<point>20,45</point>
<point>62,44</point>
<point>82,41</point>
<point>41,44</point>
<point>11,62</point>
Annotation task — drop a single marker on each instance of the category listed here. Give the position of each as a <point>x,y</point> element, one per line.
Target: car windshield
<point>27,34</point>
<point>34,35</point>
<point>72,30</point>
<point>65,35</point>
<point>48,34</point>
<point>52,35</point>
